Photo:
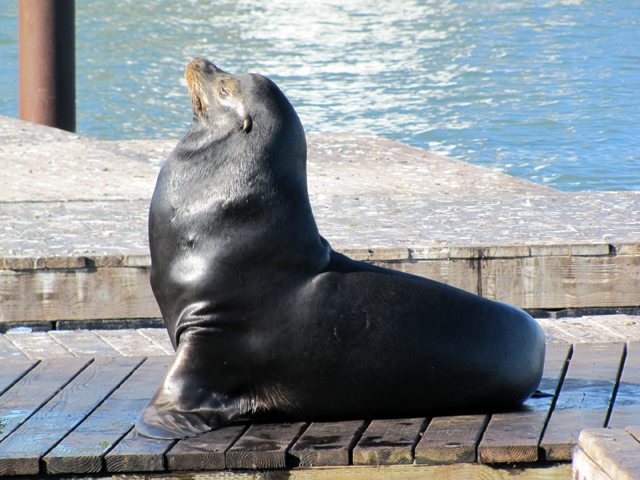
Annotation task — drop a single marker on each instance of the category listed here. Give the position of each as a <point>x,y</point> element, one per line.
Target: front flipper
<point>192,398</point>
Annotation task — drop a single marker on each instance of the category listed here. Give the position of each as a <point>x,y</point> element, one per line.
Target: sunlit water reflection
<point>543,90</point>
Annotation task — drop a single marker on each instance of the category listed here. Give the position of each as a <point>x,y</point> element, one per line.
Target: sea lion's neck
<point>255,195</point>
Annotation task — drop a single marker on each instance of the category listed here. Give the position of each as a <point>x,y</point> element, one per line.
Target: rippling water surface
<point>548,91</point>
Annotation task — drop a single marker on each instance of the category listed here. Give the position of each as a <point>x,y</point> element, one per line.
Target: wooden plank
<point>388,442</point>
<point>553,282</point>
<point>615,451</point>
<point>450,440</point>
<point>326,443</point>
<point>130,343</point>
<point>583,331</point>
<point>83,449</point>
<point>160,337</point>
<point>513,437</point>
<point>459,273</point>
<point>584,468</point>
<point>624,327</point>
<point>530,282</point>
<point>461,471</point>
<point>634,431</point>
<point>21,451</point>
<point>263,446</point>
<point>82,294</point>
<point>34,389</point>
<point>8,350</point>
<point>554,334</point>
<point>137,453</point>
<point>13,370</point>
<point>206,451</point>
<point>38,345</point>
<point>83,343</point>
<point>626,408</point>
<point>584,400</point>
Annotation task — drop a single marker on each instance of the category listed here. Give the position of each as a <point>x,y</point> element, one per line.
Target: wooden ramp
<point>75,415</point>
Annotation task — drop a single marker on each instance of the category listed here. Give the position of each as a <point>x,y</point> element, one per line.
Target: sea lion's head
<point>225,104</point>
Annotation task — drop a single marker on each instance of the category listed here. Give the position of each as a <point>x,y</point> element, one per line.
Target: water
<point>540,89</point>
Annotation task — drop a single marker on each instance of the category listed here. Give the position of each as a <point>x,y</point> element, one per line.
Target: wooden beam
<point>87,293</point>
<point>535,282</point>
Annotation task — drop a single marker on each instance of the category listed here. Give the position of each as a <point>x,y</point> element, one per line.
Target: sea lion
<point>267,318</point>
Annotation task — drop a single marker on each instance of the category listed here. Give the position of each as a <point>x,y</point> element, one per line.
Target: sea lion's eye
<point>223,91</point>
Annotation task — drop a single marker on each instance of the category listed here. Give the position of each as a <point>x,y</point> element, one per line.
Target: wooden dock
<point>72,412</point>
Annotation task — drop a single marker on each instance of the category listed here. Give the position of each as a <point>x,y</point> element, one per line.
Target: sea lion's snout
<point>199,73</point>
<point>210,86</point>
<point>199,66</point>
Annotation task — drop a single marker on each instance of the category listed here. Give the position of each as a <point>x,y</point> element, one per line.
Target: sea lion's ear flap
<point>248,123</point>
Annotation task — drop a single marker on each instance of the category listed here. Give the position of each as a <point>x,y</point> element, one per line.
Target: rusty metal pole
<point>47,62</point>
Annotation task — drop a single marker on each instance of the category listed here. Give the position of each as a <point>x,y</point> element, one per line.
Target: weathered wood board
<point>130,343</point>
<point>524,276</point>
<point>587,391</point>
<point>83,449</point>
<point>449,440</point>
<point>263,446</point>
<point>387,442</point>
<point>513,437</point>
<point>327,443</point>
<point>38,345</point>
<point>160,337</point>
<point>20,452</point>
<point>206,451</point>
<point>610,454</point>
<point>34,389</point>
<point>9,351</point>
<point>83,343</point>
<point>73,294</point>
<point>11,371</point>
<point>553,282</point>
<point>626,408</point>
<point>136,453</point>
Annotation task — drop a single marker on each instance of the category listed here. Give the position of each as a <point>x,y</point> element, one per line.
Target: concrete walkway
<point>62,194</point>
